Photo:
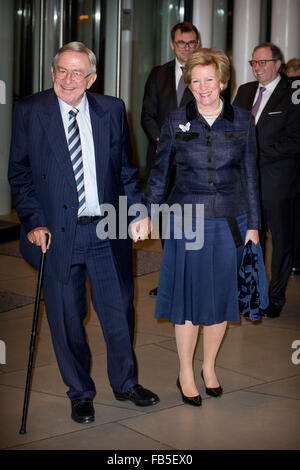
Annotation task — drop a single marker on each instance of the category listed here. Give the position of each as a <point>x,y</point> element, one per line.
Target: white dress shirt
<point>269,88</point>
<point>88,153</point>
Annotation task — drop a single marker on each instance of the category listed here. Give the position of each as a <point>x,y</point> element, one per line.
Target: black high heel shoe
<point>213,392</point>
<point>194,401</point>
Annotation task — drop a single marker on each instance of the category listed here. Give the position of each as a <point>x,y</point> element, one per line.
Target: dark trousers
<point>278,216</point>
<point>66,307</point>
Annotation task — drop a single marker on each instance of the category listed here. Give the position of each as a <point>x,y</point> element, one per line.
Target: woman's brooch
<point>185,128</point>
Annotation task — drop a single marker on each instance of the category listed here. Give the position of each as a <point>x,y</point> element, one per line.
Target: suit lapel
<point>169,89</point>
<point>53,125</point>
<point>251,95</point>
<point>100,121</point>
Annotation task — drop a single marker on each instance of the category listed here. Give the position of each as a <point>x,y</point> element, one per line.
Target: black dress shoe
<point>213,392</point>
<point>153,292</point>
<point>82,411</point>
<point>194,401</point>
<point>273,310</point>
<point>139,395</point>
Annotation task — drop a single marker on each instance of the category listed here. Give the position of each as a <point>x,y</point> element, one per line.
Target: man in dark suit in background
<point>165,90</point>
<point>277,119</point>
<point>70,153</point>
<point>292,69</point>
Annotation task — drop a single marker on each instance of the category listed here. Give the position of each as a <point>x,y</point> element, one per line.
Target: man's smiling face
<point>71,77</point>
<point>265,73</point>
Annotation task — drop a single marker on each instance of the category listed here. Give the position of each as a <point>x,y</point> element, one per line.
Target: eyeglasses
<point>74,74</point>
<point>261,63</point>
<point>183,44</point>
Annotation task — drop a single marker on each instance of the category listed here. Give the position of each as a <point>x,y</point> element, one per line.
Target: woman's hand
<point>140,229</point>
<point>252,235</point>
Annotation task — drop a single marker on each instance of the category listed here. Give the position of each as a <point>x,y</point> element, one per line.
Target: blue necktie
<point>75,150</point>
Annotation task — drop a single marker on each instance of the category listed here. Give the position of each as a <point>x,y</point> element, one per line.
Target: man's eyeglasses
<point>74,74</point>
<point>183,44</point>
<point>261,63</point>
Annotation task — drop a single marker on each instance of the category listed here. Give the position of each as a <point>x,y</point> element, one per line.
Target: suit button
<point>63,229</point>
<point>43,176</point>
<point>65,207</point>
<point>211,183</point>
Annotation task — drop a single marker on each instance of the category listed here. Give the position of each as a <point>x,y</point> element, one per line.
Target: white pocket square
<point>275,112</point>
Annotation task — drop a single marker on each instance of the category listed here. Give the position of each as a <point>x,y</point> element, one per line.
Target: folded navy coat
<point>252,282</point>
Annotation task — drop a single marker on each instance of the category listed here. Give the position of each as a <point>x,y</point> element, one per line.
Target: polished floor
<point>260,408</point>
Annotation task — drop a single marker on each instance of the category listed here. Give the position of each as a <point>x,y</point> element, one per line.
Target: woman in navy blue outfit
<point>215,150</point>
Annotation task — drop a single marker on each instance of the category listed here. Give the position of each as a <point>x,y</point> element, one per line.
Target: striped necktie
<point>75,150</point>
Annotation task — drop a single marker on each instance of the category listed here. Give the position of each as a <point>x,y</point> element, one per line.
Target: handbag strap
<point>235,231</point>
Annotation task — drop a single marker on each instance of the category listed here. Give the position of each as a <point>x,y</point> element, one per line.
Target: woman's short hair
<point>293,64</point>
<point>76,46</point>
<point>207,56</point>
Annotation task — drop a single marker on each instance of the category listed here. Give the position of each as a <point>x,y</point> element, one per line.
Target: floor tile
<point>48,416</point>
<point>239,420</point>
<point>16,333</point>
<point>288,388</point>
<point>258,351</point>
<point>14,268</point>
<point>108,436</point>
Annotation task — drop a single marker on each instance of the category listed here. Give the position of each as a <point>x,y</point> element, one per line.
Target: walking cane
<point>33,338</point>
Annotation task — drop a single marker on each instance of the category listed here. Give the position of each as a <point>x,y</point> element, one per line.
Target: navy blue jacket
<point>216,166</point>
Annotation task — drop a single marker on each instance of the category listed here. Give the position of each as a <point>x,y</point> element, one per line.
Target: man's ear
<point>278,64</point>
<point>91,80</point>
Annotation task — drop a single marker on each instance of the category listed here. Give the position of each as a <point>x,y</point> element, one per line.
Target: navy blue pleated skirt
<point>200,285</point>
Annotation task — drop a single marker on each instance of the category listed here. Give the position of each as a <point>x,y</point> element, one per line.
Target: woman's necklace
<point>214,113</point>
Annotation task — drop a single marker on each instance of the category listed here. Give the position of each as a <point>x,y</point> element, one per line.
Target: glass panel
<point>219,40</point>
<point>83,20</point>
<point>52,40</point>
<point>265,20</point>
<point>23,44</point>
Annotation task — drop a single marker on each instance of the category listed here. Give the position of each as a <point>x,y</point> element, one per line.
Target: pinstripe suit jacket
<point>42,179</point>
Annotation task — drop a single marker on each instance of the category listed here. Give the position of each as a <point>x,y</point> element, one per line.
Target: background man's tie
<point>75,150</point>
<point>258,101</point>
<point>180,88</point>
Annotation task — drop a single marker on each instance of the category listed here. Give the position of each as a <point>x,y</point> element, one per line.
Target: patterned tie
<point>258,101</point>
<point>75,150</point>
<point>180,88</point>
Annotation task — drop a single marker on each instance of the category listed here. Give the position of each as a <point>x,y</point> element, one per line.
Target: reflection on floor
<point>260,408</point>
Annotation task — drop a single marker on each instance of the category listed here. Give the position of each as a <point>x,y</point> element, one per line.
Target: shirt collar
<point>178,65</point>
<point>270,87</point>
<point>65,107</point>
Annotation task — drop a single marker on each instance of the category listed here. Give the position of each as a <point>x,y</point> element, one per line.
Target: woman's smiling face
<point>205,86</point>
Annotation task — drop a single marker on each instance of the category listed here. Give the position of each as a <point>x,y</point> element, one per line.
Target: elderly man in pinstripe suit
<point>70,153</point>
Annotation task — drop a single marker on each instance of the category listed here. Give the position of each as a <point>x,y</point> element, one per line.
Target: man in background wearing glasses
<point>165,90</point>
<point>277,119</point>
<point>70,153</point>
